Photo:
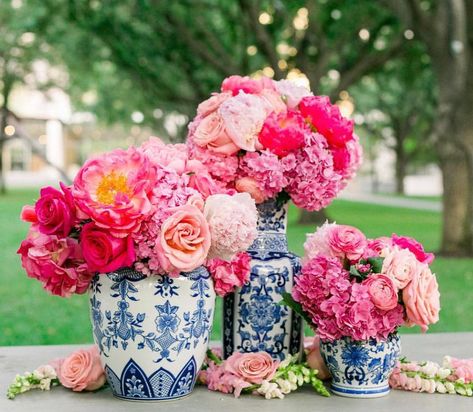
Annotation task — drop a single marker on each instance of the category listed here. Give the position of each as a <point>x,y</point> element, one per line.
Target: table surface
<point>17,359</point>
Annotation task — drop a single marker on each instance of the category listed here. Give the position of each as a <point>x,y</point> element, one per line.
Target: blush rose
<point>401,266</point>
<point>252,367</point>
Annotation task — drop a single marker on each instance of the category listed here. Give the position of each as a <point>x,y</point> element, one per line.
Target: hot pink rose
<point>210,133</point>
<point>28,214</point>
<point>283,133</point>
<point>236,83</point>
<point>55,211</point>
<point>104,252</point>
<point>252,367</point>
<point>422,299</point>
<point>250,185</point>
<point>212,103</point>
<point>346,241</point>
<point>184,242</point>
<point>228,275</point>
<point>82,370</point>
<point>382,291</point>
<point>415,247</point>
<point>401,266</point>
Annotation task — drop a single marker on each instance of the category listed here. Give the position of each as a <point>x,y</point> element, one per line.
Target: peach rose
<point>382,291</point>
<point>212,103</point>
<point>250,185</point>
<point>422,299</point>
<point>210,133</point>
<point>252,367</point>
<point>401,266</point>
<point>82,370</point>
<point>185,239</point>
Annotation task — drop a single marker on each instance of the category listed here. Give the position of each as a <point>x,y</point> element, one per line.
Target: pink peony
<point>212,103</point>
<point>103,252</point>
<point>283,133</point>
<point>55,211</point>
<point>114,190</point>
<point>317,243</point>
<point>82,370</point>
<point>235,84</point>
<point>347,242</point>
<point>185,240</point>
<point>232,221</point>
<point>250,185</point>
<point>252,367</point>
<point>382,291</point>
<point>422,299</point>
<point>291,92</point>
<point>414,246</point>
<point>327,119</point>
<point>56,263</point>
<point>401,266</point>
<point>228,275</point>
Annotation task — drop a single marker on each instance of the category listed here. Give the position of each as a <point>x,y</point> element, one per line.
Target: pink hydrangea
<point>56,262</point>
<point>228,275</point>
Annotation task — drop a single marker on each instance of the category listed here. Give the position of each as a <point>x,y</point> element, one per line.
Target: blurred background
<point>79,77</point>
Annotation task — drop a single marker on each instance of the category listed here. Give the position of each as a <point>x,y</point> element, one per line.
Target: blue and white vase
<point>361,369</point>
<point>152,332</point>
<point>253,319</point>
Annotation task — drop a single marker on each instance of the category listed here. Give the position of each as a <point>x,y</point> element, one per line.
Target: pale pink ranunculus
<point>314,358</point>
<point>250,185</point>
<point>236,83</point>
<point>82,370</point>
<point>114,190</point>
<point>185,239</point>
<point>232,221</point>
<point>422,299</point>
<point>252,367</point>
<point>211,134</point>
<point>401,266</point>
<point>212,103</point>
<point>382,291</point>
<point>104,252</point>
<point>346,242</point>
<point>292,92</point>
<point>413,246</point>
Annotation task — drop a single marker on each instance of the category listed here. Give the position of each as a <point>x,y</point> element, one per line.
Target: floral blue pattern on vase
<point>361,369</point>
<point>253,319</point>
<point>152,332</point>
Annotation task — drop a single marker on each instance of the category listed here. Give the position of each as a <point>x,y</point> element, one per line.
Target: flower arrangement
<point>454,376</point>
<point>150,207</point>
<point>270,137</point>
<point>351,286</point>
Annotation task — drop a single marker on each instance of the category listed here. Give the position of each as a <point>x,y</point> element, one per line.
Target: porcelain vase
<point>361,369</point>
<point>152,332</point>
<point>253,319</point>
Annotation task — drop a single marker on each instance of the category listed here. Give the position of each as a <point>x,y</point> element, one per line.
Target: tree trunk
<point>312,218</point>
<point>401,163</point>
<point>3,124</point>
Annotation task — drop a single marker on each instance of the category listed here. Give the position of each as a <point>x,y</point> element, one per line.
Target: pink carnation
<point>228,275</point>
<point>56,263</point>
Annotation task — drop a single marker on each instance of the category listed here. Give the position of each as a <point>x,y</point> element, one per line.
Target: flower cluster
<point>150,207</point>
<point>352,286</point>
<point>454,376</point>
<point>80,371</point>
<point>265,137</point>
<point>257,373</point>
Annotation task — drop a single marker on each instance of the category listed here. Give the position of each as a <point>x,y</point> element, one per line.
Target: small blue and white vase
<point>253,320</point>
<point>361,369</point>
<point>152,332</point>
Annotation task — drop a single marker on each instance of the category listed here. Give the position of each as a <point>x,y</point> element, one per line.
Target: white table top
<point>17,359</point>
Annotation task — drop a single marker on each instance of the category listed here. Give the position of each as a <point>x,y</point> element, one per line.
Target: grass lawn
<point>29,316</point>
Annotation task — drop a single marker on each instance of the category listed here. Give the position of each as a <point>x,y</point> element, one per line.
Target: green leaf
<point>288,300</point>
<point>376,264</point>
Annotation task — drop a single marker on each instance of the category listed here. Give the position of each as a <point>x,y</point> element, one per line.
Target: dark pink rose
<point>104,252</point>
<point>415,247</point>
<point>341,158</point>
<point>55,211</point>
<point>283,133</point>
<point>382,291</point>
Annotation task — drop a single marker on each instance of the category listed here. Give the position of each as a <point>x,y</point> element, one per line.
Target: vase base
<point>151,400</point>
<point>359,392</point>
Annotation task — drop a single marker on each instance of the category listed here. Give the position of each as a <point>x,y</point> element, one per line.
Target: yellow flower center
<point>110,186</point>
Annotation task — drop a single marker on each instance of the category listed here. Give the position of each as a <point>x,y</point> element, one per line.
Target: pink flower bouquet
<point>150,207</point>
<point>269,137</point>
<point>351,286</point>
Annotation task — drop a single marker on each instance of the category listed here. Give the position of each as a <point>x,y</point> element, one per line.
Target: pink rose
<point>55,211</point>
<point>229,275</point>
<point>213,103</point>
<point>82,370</point>
<point>236,83</point>
<point>415,247</point>
<point>252,367</point>
<point>184,241</point>
<point>382,291</point>
<point>250,185</point>
<point>104,252</point>
<point>401,266</point>
<point>314,358</point>
<point>346,242</point>
<point>210,133</point>
<point>422,299</point>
